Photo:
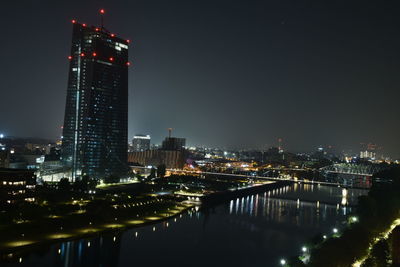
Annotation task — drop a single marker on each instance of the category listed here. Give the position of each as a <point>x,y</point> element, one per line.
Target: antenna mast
<point>102,12</point>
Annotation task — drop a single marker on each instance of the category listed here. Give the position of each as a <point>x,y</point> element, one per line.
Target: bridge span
<point>300,181</point>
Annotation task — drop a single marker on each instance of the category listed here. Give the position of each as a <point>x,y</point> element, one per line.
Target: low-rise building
<point>16,185</point>
<point>171,159</point>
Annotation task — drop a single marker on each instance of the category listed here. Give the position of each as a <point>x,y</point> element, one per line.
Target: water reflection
<point>255,230</point>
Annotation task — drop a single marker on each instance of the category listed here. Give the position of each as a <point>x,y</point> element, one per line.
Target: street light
<point>283,261</point>
<point>304,249</point>
<point>335,230</point>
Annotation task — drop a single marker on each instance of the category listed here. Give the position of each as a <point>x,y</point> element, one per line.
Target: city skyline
<point>291,74</point>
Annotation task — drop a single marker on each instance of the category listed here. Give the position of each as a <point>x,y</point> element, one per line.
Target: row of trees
<point>86,183</point>
<point>82,185</point>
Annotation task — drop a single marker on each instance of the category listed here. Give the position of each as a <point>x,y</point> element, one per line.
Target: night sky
<point>221,73</point>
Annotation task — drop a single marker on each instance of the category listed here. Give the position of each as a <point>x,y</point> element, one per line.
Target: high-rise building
<point>173,143</point>
<point>94,138</point>
<point>141,143</point>
<point>367,154</point>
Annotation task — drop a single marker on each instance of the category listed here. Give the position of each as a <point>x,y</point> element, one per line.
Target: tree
<point>161,169</point>
<point>111,179</point>
<point>370,262</point>
<point>139,177</point>
<point>64,185</point>
<point>381,253</point>
<point>85,184</point>
<point>152,173</point>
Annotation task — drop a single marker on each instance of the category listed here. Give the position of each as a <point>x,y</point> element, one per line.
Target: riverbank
<point>364,241</point>
<point>256,229</point>
<point>25,236</point>
<point>79,228</point>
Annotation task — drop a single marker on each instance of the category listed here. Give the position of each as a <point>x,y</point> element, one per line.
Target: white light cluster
<point>118,46</point>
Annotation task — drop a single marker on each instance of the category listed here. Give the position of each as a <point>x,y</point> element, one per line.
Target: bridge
<point>352,169</point>
<point>302,181</point>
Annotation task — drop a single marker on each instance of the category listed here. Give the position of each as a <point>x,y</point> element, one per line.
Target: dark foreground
<point>256,230</point>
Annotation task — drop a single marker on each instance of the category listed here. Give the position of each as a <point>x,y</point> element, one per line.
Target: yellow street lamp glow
<point>153,218</point>
<point>59,236</point>
<point>19,243</point>
<point>136,222</point>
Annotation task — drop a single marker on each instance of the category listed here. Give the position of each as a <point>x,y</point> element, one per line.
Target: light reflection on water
<point>255,230</point>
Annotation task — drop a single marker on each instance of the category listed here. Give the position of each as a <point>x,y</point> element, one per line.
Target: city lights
<point>271,140</point>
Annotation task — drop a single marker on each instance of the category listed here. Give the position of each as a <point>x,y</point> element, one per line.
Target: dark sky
<point>221,73</point>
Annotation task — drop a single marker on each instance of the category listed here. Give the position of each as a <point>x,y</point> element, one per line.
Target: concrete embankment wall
<point>218,197</point>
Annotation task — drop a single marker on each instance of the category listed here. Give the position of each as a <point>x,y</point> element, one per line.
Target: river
<point>257,230</point>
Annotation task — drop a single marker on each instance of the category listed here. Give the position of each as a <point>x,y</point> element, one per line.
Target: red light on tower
<point>69,57</point>
<point>94,54</point>
<point>102,11</point>
<point>111,59</point>
<point>128,41</point>
<point>112,35</point>
<point>82,54</point>
<point>73,21</point>
<point>97,29</point>
<point>84,25</point>
<point>128,63</point>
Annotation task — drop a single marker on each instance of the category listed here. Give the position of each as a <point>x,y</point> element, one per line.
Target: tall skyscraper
<point>95,128</point>
<point>141,143</point>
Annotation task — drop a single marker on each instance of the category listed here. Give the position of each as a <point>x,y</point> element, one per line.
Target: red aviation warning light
<point>111,59</point>
<point>69,57</point>
<point>94,54</point>
<point>82,54</point>
<point>128,41</point>
<point>102,11</point>
<point>84,25</point>
<point>128,63</point>
<point>73,21</point>
<point>112,35</point>
<point>97,29</point>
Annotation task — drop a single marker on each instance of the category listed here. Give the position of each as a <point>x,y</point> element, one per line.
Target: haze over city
<point>220,73</point>
<point>200,133</point>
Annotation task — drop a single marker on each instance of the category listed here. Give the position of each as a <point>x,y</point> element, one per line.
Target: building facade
<point>171,159</point>
<point>173,143</point>
<point>4,158</point>
<point>16,186</point>
<point>94,140</point>
<point>141,143</point>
